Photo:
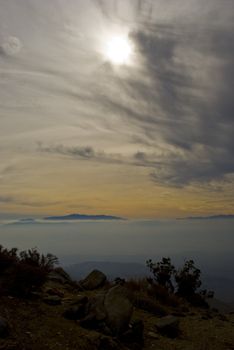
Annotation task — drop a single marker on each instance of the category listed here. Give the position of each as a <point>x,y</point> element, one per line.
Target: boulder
<point>169,326</point>
<point>60,276</point>
<point>109,312</point>
<point>78,308</point>
<point>75,312</point>
<point>4,327</point>
<point>119,309</point>
<point>94,280</point>
<point>95,313</point>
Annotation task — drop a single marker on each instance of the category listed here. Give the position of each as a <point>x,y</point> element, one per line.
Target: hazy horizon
<point>131,237</point>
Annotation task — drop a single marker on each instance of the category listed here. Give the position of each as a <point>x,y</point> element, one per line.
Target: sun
<point>119,50</point>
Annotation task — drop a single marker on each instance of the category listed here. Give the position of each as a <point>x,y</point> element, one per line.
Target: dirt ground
<point>35,325</point>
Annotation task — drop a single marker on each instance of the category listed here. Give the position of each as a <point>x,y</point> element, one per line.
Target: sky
<point>83,130</point>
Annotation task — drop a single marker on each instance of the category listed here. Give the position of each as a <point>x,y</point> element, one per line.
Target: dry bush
<point>161,293</point>
<point>136,285</point>
<point>21,273</point>
<point>146,303</point>
<point>7,258</point>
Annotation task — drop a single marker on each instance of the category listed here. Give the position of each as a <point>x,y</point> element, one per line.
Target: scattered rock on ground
<point>78,308</point>
<point>52,300</point>
<point>95,314</point>
<point>94,280</point>
<point>54,291</point>
<point>153,335</point>
<point>109,312</point>
<point>60,276</point>
<point>169,326</point>
<point>75,312</point>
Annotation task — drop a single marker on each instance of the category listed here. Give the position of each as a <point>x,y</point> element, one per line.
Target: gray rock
<point>96,306</point>
<point>52,300</point>
<point>119,309</point>
<point>94,280</point>
<point>54,291</point>
<point>169,326</point>
<point>4,327</point>
<point>75,312</point>
<point>60,271</point>
<point>95,313</point>
<point>153,335</point>
<point>60,276</point>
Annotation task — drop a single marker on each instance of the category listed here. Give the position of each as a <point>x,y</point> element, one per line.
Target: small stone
<point>169,326</point>
<point>153,335</point>
<point>55,291</point>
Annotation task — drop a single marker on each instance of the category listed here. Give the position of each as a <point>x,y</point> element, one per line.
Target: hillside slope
<point>38,323</point>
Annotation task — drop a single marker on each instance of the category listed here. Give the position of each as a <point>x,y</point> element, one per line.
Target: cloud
<point>181,99</point>
<point>25,202</point>
<point>82,153</point>
<point>6,199</point>
<point>10,46</point>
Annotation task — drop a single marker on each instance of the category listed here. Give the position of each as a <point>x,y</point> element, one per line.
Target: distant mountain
<point>82,217</point>
<point>26,221</point>
<point>212,217</point>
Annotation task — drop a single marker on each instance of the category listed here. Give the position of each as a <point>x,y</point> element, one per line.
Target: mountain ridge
<point>77,216</point>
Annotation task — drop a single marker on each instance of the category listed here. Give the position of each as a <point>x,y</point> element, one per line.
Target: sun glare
<point>119,50</point>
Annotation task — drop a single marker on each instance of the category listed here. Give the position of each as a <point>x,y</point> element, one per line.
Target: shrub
<point>163,272</point>
<point>33,258</point>
<point>21,273</point>
<point>7,258</point>
<point>137,284</point>
<point>144,302</point>
<point>188,279</point>
<point>161,293</point>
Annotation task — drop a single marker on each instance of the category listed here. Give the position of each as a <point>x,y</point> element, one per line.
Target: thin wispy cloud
<point>168,114</point>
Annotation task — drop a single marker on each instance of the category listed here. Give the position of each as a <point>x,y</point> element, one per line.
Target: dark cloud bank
<point>178,100</point>
<point>182,95</point>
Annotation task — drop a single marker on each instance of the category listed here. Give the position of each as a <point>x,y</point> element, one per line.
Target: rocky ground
<point>97,315</point>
